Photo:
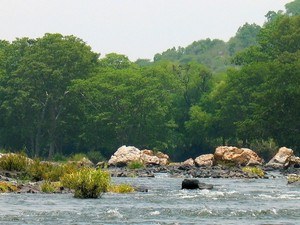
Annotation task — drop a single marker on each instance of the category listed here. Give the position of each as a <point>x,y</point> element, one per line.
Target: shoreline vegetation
<point>84,179</point>
<point>58,97</point>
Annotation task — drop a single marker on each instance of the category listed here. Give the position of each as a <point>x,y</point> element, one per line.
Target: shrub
<point>254,170</point>
<point>95,156</point>
<point>38,171</point>
<point>59,158</point>
<point>293,178</point>
<point>7,187</point>
<point>50,187</point>
<point>77,157</point>
<point>14,162</point>
<point>135,165</point>
<point>121,188</point>
<point>87,182</point>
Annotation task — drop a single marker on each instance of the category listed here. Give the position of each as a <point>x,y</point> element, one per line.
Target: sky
<point>135,28</point>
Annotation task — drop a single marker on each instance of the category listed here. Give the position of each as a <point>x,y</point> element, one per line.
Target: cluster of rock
<point>226,162</point>
<point>227,154</point>
<point>128,154</point>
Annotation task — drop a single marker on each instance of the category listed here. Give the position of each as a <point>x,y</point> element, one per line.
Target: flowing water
<point>232,201</point>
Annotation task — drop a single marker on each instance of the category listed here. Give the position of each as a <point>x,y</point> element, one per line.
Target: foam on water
<point>230,202</point>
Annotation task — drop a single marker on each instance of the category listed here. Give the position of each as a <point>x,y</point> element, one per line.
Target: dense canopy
<point>58,97</point>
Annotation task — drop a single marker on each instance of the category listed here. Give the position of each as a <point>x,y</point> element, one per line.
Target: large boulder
<point>205,160</point>
<point>164,159</point>
<point>282,158</point>
<point>238,156</point>
<point>125,155</point>
<point>148,157</point>
<point>189,162</point>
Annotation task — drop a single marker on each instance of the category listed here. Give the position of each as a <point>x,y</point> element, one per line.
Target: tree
<point>293,8</point>
<point>38,82</point>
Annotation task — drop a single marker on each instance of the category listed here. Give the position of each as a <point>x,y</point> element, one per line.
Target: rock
<point>190,184</point>
<point>293,179</point>
<point>140,189</point>
<point>239,156</point>
<point>281,159</point>
<point>148,158</point>
<point>85,162</point>
<point>124,155</point>
<point>294,162</point>
<point>163,158</point>
<point>189,162</point>
<point>194,184</point>
<point>205,186</point>
<point>205,160</point>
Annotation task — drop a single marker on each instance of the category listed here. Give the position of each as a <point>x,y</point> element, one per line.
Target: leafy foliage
<point>87,182</point>
<point>254,171</point>
<point>14,162</point>
<point>121,188</point>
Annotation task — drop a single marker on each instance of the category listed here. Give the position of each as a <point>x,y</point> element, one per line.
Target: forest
<point>58,97</point>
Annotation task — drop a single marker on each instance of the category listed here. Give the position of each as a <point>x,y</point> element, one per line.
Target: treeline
<point>58,97</point>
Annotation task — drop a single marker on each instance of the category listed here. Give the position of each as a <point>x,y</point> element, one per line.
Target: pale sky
<point>136,28</point>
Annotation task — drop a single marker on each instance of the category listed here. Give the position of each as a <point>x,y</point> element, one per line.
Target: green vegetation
<point>7,187</point>
<point>293,178</point>
<point>57,98</point>
<point>121,188</point>
<point>87,182</point>
<point>254,171</point>
<point>14,162</point>
<point>135,165</point>
<point>50,187</point>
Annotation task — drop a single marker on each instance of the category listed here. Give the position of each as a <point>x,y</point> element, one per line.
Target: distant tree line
<point>58,97</point>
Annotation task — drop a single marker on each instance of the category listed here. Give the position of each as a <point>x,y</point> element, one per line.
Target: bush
<point>14,162</point>
<point>7,187</point>
<point>38,171</point>
<point>121,188</point>
<point>77,157</point>
<point>95,156</point>
<point>87,182</point>
<point>254,170</point>
<point>135,165</point>
<point>293,178</point>
<point>50,187</point>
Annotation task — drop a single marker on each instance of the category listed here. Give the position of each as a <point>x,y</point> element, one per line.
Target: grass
<point>14,162</point>
<point>50,187</point>
<point>292,178</point>
<point>135,165</point>
<point>87,182</point>
<point>253,171</point>
<point>7,187</point>
<point>121,188</point>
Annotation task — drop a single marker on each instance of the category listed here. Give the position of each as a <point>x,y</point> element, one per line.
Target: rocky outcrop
<point>127,154</point>
<point>238,156</point>
<point>283,158</point>
<point>205,160</point>
<point>124,155</point>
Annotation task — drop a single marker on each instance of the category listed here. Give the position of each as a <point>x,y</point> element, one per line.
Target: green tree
<point>293,8</point>
<point>39,73</point>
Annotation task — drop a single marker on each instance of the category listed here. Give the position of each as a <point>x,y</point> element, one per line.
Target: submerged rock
<point>194,184</point>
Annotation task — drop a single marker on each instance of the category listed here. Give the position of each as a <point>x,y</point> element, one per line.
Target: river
<point>243,201</point>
